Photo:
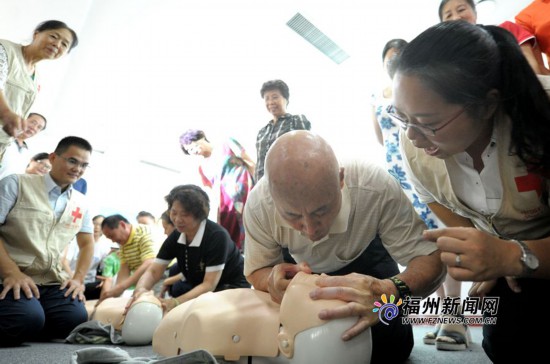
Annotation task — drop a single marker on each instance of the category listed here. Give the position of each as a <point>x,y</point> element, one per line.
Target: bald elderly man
<point>351,221</point>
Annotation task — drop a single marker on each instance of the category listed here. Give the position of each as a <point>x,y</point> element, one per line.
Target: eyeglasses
<point>73,163</point>
<point>45,164</point>
<point>422,129</point>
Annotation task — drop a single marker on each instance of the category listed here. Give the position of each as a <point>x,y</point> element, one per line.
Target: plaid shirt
<point>269,133</point>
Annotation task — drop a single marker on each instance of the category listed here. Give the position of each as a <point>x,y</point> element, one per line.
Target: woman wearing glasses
<point>39,164</point>
<point>18,82</point>
<point>387,132</point>
<point>205,254</point>
<point>476,125</point>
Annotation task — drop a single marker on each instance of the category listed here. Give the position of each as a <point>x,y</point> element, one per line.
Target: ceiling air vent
<point>313,35</point>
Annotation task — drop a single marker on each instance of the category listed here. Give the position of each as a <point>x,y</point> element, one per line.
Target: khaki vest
<point>20,89</point>
<point>522,214</point>
<point>33,238</point>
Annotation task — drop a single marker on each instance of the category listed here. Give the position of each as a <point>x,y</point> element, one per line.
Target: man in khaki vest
<point>39,216</point>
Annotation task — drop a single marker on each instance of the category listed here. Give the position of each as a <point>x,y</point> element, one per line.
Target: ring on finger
<point>458,261</point>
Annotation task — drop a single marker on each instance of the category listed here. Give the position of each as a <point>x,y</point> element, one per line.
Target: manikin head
<point>142,320</point>
<point>304,338</point>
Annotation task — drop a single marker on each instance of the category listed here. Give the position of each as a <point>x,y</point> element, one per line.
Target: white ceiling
<point>146,70</point>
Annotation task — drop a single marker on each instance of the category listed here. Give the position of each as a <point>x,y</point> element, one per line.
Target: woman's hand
<point>169,282</point>
<point>473,255</point>
<point>359,291</point>
<point>168,304</point>
<point>13,124</point>
<point>164,290</point>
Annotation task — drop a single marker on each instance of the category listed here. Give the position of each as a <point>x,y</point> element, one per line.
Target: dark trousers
<point>53,316</point>
<point>396,338</point>
<point>180,287</point>
<point>521,330</point>
<point>92,291</point>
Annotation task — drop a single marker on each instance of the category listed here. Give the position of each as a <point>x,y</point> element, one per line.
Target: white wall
<point>146,70</point>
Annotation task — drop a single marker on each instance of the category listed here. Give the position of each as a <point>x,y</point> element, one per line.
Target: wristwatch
<point>529,260</point>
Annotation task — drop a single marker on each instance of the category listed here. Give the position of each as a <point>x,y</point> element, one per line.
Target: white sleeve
<point>3,67</point>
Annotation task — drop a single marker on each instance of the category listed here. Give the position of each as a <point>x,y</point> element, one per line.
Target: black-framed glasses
<point>422,129</point>
<point>74,163</point>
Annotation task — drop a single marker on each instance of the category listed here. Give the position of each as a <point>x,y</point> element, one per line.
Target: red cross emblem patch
<point>76,214</point>
<point>531,182</point>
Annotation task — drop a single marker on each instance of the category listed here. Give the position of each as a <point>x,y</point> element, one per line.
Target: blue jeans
<point>53,316</point>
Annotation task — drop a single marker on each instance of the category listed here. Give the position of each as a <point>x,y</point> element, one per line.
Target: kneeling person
<point>205,253</point>
<point>351,221</point>
<point>136,252</point>
<point>39,216</point>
